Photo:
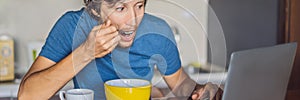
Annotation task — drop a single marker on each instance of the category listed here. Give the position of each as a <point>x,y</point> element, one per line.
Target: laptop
<point>260,74</point>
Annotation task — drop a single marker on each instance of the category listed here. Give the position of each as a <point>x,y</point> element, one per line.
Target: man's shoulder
<point>150,19</point>
<point>69,21</point>
<point>72,15</point>
<point>154,25</point>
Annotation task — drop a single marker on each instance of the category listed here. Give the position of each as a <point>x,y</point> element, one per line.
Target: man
<point>108,39</point>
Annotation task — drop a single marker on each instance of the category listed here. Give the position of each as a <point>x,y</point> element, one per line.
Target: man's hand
<point>183,86</point>
<point>208,91</point>
<point>102,40</point>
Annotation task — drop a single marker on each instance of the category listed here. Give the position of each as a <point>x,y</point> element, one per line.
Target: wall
<point>190,18</point>
<point>247,23</point>
<point>31,20</point>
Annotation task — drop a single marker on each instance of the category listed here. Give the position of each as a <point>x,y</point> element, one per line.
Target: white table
<point>216,78</point>
<point>11,89</point>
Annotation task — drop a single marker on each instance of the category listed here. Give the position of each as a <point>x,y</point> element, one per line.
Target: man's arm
<point>182,85</point>
<point>46,77</point>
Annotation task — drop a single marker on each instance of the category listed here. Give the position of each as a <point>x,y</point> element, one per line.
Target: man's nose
<point>132,18</point>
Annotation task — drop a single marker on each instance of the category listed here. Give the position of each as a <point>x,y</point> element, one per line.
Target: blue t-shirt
<point>154,45</point>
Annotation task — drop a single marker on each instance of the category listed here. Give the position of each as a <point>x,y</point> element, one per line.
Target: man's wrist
<point>198,87</point>
<point>186,88</point>
<point>82,56</point>
<point>88,54</point>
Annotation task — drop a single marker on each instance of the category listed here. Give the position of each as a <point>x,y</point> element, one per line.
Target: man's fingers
<point>212,90</point>
<point>106,27</point>
<point>212,93</point>
<point>205,95</point>
<point>102,40</point>
<point>106,51</point>
<point>113,46</point>
<point>107,30</point>
<point>107,23</point>
<point>195,96</point>
<point>114,42</point>
<point>96,28</point>
<point>207,92</point>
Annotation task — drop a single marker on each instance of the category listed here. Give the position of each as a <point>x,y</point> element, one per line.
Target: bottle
<point>6,58</point>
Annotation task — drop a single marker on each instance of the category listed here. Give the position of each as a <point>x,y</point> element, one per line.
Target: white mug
<point>77,94</point>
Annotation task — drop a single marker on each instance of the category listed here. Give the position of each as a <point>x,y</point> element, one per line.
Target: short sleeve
<point>59,41</point>
<point>172,58</point>
<point>168,62</point>
<point>156,38</point>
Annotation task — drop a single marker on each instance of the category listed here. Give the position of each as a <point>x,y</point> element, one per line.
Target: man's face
<point>126,15</point>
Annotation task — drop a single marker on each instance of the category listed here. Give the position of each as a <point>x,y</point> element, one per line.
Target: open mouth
<point>127,36</point>
<point>125,32</point>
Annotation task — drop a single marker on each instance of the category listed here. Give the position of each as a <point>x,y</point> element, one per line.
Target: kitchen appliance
<point>6,58</point>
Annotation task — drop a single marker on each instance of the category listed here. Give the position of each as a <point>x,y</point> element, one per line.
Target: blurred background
<point>206,31</point>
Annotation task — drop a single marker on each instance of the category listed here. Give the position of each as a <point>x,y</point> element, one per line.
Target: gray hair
<point>96,5</point>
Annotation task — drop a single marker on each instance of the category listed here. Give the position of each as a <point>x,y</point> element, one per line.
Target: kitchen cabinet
<point>290,19</point>
<point>251,24</point>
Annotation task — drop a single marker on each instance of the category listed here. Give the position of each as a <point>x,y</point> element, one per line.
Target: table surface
<point>8,90</point>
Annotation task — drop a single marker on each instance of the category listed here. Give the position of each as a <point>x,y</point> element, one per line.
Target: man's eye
<point>140,6</point>
<point>120,8</point>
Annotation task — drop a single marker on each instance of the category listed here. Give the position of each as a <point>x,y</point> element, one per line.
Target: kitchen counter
<point>10,90</point>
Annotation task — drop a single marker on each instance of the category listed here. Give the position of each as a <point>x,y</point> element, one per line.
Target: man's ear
<point>101,16</point>
<point>95,13</point>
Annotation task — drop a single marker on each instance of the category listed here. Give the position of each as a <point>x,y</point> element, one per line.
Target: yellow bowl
<point>127,89</point>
